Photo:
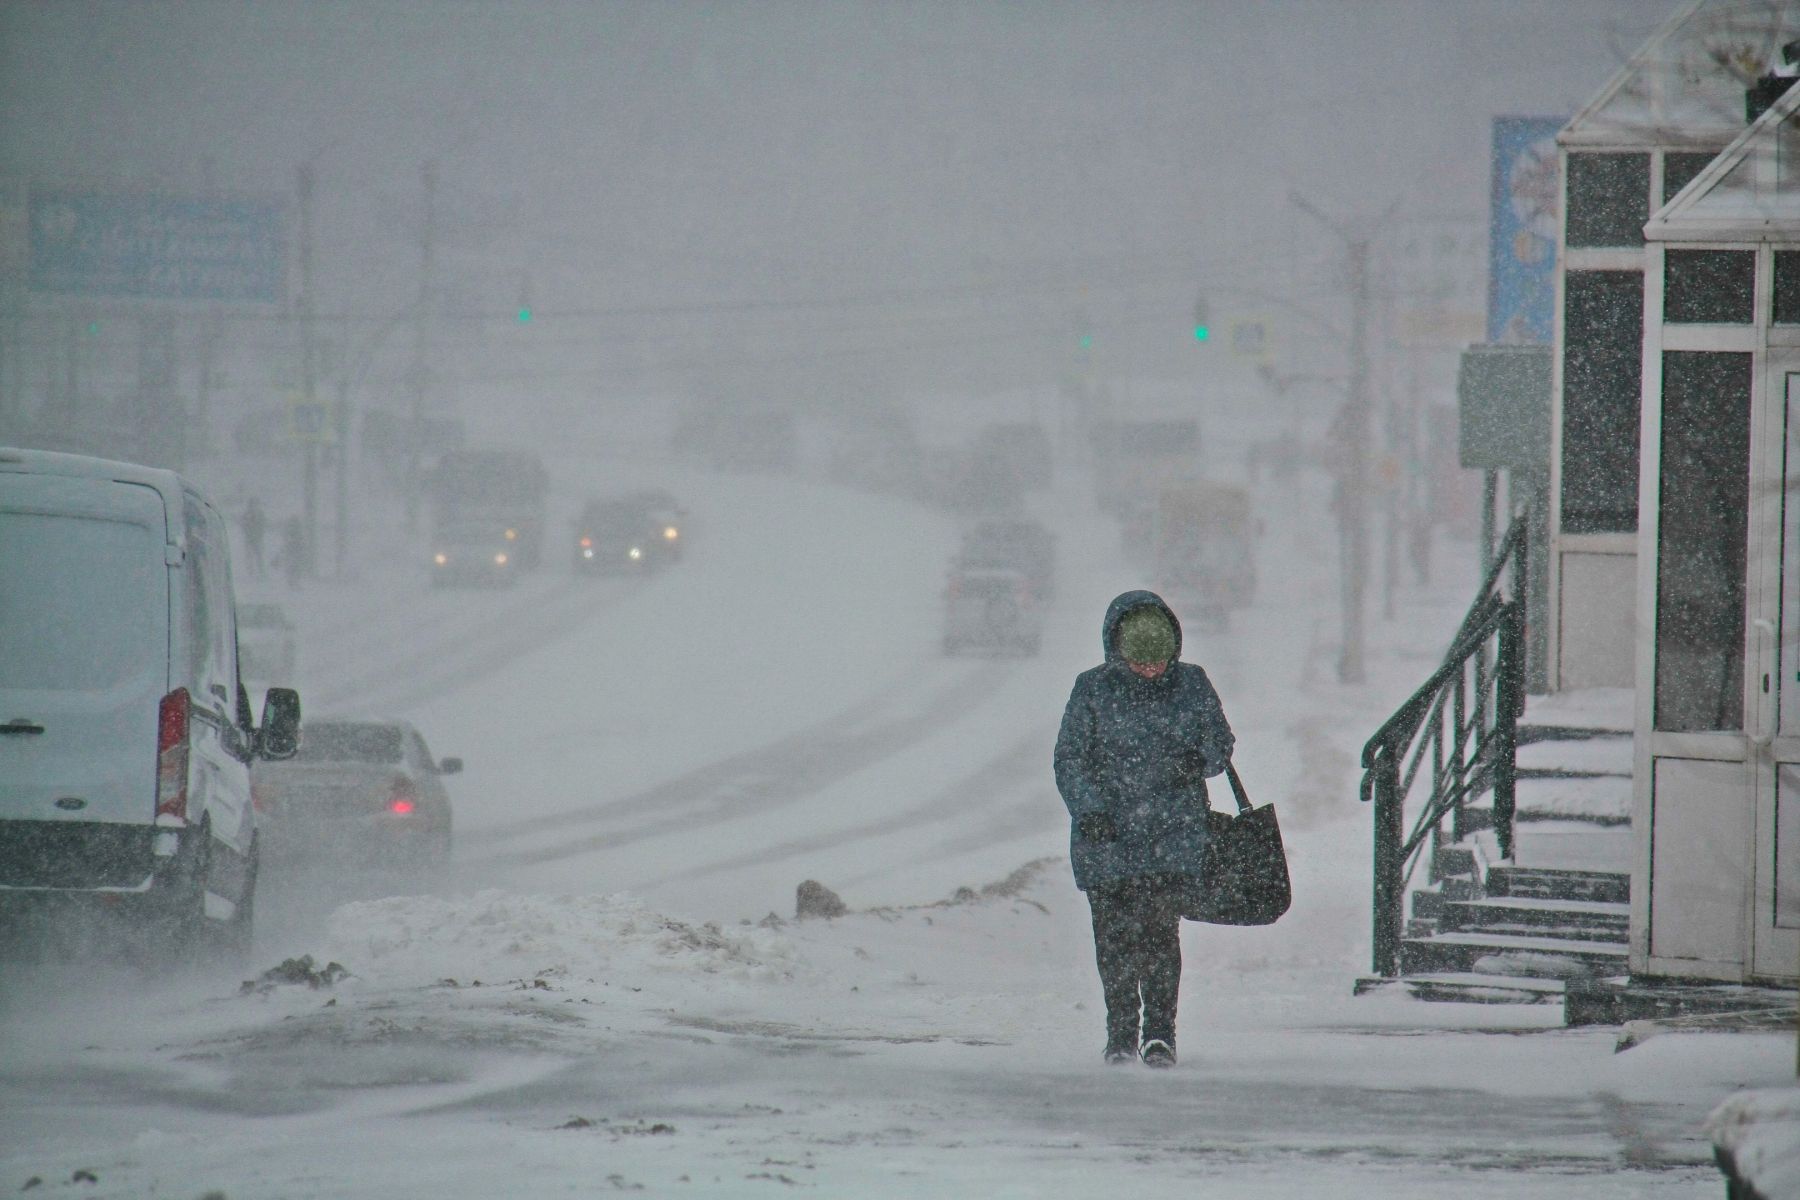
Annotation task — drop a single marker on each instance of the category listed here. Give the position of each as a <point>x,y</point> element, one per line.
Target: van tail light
<point>403,799</point>
<point>172,755</point>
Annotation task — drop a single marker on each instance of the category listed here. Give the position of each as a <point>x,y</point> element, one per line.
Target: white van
<point>125,733</point>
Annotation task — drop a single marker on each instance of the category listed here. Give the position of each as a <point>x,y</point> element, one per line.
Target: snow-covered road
<point>595,1000</point>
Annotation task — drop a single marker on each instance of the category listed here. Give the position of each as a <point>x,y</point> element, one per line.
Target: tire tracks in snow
<point>764,779</point>
<point>459,651</point>
<point>959,798</point>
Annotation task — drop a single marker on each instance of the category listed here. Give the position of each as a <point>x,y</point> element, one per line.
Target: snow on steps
<point>1462,951</point>
<point>1471,987</point>
<point>1495,930</point>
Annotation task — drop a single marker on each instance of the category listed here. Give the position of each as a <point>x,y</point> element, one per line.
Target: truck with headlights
<point>487,515</point>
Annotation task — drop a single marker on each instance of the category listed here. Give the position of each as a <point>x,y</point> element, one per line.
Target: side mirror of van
<point>279,735</point>
<point>450,766</point>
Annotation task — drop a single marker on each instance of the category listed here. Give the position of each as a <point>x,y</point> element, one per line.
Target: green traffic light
<point>1201,333</point>
<point>93,327</point>
<point>1087,341</point>
<point>524,315</point>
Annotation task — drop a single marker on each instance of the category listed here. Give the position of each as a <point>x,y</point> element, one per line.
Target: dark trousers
<point>1137,943</point>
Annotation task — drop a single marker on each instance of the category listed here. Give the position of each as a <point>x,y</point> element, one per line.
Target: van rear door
<point>84,648</point>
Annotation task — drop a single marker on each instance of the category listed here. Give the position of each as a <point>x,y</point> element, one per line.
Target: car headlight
<point>500,559</point>
<point>587,553</point>
<point>634,553</point>
<point>671,533</point>
<point>441,559</point>
<point>512,535</point>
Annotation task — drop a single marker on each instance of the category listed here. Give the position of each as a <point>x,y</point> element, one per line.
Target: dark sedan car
<point>358,794</point>
<point>667,521</point>
<point>616,535</point>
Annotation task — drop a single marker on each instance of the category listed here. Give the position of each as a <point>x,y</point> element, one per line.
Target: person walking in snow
<point>255,524</point>
<point>1140,735</point>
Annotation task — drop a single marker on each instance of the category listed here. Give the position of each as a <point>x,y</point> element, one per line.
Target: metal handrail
<point>1463,723</point>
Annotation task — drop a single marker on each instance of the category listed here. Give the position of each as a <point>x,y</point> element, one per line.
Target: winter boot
<point>1158,1053</point>
<point>1118,1053</point>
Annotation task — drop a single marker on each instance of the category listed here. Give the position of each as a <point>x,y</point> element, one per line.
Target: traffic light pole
<point>1352,430</point>
<point>1353,489</point>
<point>421,367</point>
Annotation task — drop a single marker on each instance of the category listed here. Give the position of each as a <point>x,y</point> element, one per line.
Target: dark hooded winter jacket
<point>1140,750</point>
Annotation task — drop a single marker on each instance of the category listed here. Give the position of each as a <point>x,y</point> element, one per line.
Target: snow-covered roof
<point>1685,86</point>
<point>1750,192</point>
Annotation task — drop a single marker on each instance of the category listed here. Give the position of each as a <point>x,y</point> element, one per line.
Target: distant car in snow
<point>667,521</point>
<point>991,609</point>
<point>358,794</point>
<point>268,647</point>
<point>1018,544</point>
<point>617,535</point>
<point>473,553</point>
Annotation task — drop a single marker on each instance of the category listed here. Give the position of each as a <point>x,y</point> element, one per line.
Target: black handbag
<point>1245,875</point>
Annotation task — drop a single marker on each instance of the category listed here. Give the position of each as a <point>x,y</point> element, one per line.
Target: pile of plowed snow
<point>494,932</point>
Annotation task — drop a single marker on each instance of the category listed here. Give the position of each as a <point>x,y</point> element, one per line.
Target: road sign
<point>1252,337</point>
<point>87,241</point>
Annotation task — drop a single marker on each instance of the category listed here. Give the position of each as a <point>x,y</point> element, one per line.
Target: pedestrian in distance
<point>295,559</point>
<point>255,526</point>
<point>1140,735</point>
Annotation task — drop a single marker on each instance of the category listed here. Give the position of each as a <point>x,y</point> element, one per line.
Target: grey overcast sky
<point>674,152</point>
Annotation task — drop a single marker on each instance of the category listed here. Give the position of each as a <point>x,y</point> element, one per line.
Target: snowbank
<point>496,931</point>
<point>1757,1134</point>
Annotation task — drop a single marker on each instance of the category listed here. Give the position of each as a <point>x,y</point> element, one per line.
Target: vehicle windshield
<point>377,744</point>
<point>463,533</point>
<point>83,602</point>
<point>613,519</point>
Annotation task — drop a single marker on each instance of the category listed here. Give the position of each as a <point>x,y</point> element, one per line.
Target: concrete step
<point>1511,954</point>
<point>1581,920</point>
<point>1613,1001</point>
<point>1449,862</point>
<point>1470,987</point>
<point>1545,884</point>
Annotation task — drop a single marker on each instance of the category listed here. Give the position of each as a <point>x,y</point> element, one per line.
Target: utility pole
<point>1353,490</point>
<point>341,422</point>
<point>1352,431</point>
<point>309,503</point>
<point>421,366</point>
<point>209,337</point>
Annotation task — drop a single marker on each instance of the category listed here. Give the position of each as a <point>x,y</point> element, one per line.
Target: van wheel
<point>236,938</point>
<point>178,924</point>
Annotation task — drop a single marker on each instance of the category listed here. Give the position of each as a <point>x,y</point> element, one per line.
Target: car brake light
<point>172,755</point>
<point>401,806</point>
<point>586,542</point>
<point>402,800</point>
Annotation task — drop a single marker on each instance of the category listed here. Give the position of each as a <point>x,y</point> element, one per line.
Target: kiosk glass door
<point>1775,648</point>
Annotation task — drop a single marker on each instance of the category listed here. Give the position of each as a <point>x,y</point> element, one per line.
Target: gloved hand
<point>1097,827</point>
